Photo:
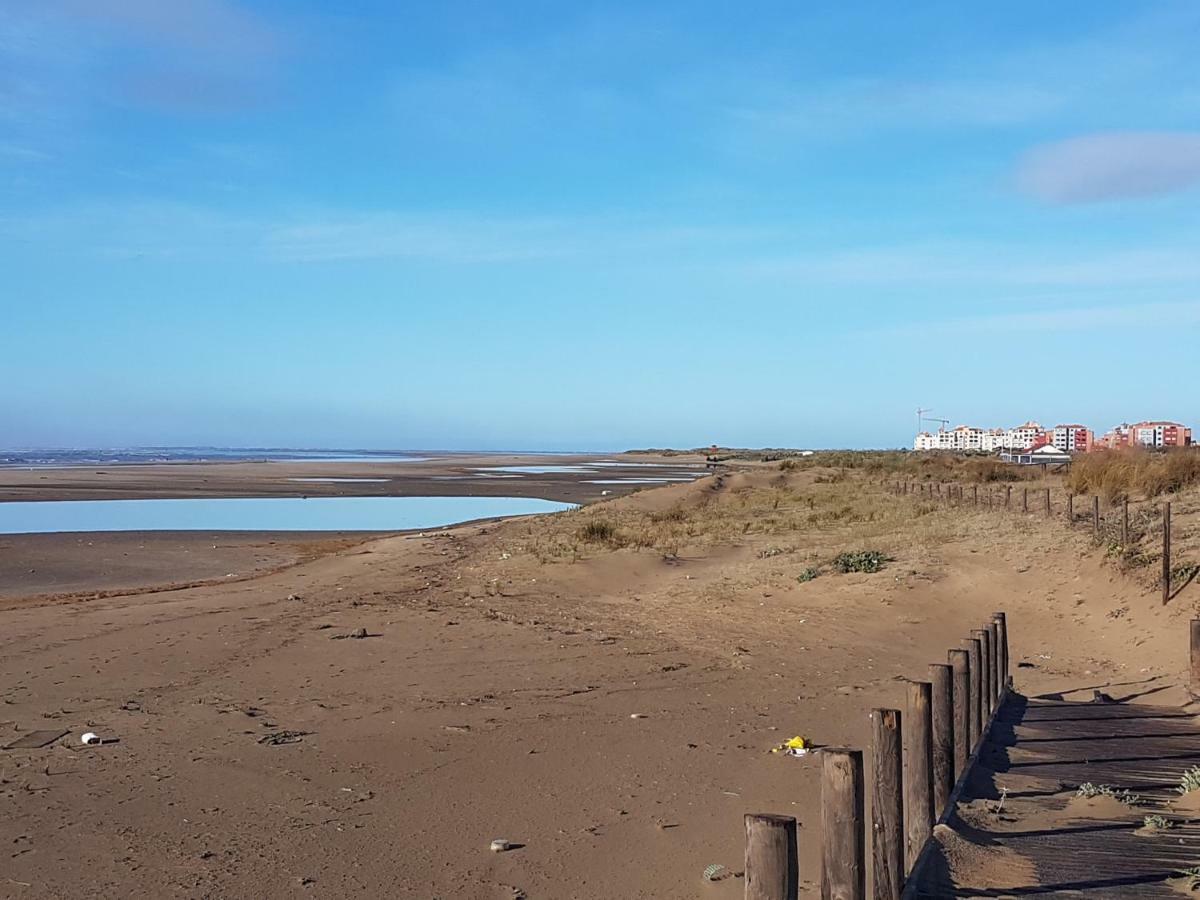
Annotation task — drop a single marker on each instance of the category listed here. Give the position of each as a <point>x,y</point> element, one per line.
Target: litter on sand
<point>500,845</point>
<point>277,738</point>
<point>715,872</point>
<point>797,746</point>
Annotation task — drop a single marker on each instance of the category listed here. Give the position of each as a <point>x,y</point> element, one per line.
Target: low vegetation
<point>1088,790</point>
<point>1121,474</point>
<point>859,561</point>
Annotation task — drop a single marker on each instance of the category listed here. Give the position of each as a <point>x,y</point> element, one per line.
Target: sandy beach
<point>607,706</point>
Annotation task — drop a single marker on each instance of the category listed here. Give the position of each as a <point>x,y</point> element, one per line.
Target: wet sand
<point>457,475</point>
<point>58,565</point>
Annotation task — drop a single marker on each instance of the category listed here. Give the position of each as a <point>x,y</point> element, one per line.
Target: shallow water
<point>315,480</point>
<point>262,514</point>
<point>538,470</point>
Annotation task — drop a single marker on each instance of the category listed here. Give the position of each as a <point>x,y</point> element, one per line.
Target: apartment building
<point>1072,438</point>
<point>1148,434</point>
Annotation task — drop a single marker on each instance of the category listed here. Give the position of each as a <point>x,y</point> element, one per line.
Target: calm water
<point>58,459</point>
<point>263,514</point>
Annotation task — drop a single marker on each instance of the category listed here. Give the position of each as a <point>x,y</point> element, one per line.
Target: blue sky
<point>592,225</point>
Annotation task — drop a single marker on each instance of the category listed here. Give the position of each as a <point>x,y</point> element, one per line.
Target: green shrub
<point>859,561</point>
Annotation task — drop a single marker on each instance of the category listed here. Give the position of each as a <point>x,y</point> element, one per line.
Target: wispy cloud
<point>1075,320</point>
<point>1111,166</point>
<point>865,105</point>
<point>978,264</point>
<point>181,56</point>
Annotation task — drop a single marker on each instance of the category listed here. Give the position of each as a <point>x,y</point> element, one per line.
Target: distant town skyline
<point>1069,437</point>
<point>481,226</point>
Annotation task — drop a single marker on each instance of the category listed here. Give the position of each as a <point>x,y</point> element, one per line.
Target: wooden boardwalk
<point>1046,841</point>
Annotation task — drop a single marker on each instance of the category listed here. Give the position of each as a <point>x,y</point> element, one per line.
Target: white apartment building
<point>1022,437</point>
<point>989,440</point>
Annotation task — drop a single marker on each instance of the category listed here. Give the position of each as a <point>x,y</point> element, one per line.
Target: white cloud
<point>1111,166</point>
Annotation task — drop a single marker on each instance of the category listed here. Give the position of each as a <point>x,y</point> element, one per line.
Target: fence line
<point>920,761</point>
<point>1094,517</point>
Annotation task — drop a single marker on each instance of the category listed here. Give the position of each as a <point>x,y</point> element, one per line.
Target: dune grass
<point>1121,474</point>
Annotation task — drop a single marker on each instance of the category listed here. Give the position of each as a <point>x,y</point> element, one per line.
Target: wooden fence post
<point>1047,502</point>
<point>1024,499</point>
<point>918,771</point>
<point>960,666</point>
<point>887,812</point>
<point>1070,509</point>
<point>843,852</point>
<point>941,677</point>
<point>772,863</point>
<point>1007,496</point>
<point>1096,515</point>
<point>1166,553</point>
<point>975,494</point>
<point>1125,522</point>
<point>996,678</point>
<point>1001,621</point>
<point>974,648</point>
<point>985,677</point>
<point>1194,658</point>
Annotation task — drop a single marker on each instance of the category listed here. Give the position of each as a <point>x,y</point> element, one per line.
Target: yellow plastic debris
<point>797,746</point>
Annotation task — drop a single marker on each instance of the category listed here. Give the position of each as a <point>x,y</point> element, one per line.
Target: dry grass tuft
<point>1120,474</point>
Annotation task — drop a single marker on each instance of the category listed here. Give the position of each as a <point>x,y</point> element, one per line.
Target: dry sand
<point>609,710</point>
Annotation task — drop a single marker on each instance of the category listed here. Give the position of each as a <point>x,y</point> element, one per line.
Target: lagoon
<point>262,514</point>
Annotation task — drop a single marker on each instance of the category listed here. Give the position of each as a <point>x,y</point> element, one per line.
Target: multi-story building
<point>1072,438</point>
<point>1023,437</point>
<point>1147,434</point>
<point>991,440</point>
<point>1160,434</point>
<point>1067,438</point>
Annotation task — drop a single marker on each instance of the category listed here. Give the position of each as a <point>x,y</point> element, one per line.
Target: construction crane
<point>921,412</point>
<point>922,418</point>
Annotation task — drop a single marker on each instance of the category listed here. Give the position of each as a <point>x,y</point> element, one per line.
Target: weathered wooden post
<point>918,771</point>
<point>941,677</point>
<point>772,862</point>
<point>1194,654</point>
<point>1125,523</point>
<point>1166,553</point>
<point>975,494</point>
<point>1007,496</point>
<point>985,678</point>
<point>1001,621</point>
<point>996,678</point>
<point>1047,502</point>
<point>887,813</point>
<point>1070,508</point>
<point>1096,516</point>
<point>1024,499</point>
<point>974,649</point>
<point>843,851</point>
<point>960,665</point>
